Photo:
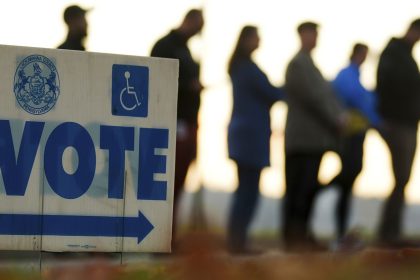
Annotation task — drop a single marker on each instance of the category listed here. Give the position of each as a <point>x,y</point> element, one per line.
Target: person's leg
<point>292,174</point>
<point>352,161</point>
<point>401,141</point>
<point>301,182</point>
<point>306,197</point>
<point>186,150</point>
<point>244,202</point>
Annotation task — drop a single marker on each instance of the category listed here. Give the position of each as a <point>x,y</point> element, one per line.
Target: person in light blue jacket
<point>357,100</point>
<point>248,134</point>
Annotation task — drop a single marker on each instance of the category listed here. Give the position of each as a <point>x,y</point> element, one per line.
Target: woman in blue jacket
<point>248,133</point>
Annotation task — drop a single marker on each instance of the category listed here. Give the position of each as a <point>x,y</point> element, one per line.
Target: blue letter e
<point>150,163</point>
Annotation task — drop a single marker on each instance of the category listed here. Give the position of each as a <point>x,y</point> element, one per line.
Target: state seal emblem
<point>36,84</point>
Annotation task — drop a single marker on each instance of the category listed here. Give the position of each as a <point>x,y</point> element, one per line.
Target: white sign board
<point>87,151</point>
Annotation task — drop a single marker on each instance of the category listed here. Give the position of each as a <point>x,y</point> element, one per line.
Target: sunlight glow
<point>131,27</point>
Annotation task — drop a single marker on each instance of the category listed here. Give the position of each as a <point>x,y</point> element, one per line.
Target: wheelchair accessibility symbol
<point>130,90</point>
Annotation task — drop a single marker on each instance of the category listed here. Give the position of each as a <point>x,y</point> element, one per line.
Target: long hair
<point>241,52</point>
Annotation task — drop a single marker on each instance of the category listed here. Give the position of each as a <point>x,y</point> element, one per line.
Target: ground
<point>202,256</point>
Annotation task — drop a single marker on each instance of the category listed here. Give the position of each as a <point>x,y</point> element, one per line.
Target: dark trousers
<point>186,151</point>
<point>401,140</point>
<point>244,203</point>
<point>351,154</point>
<point>301,187</point>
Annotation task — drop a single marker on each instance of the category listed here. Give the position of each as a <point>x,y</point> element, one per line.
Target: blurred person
<point>361,104</point>
<point>314,121</point>
<point>248,134</point>
<point>398,87</point>
<point>174,45</point>
<point>75,19</point>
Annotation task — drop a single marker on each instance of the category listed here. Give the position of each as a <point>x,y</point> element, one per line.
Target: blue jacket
<point>353,95</point>
<point>249,128</point>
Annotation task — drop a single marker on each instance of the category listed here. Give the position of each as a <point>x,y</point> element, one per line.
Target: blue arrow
<point>61,225</point>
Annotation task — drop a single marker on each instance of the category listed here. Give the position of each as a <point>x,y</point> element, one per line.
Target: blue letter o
<point>66,185</point>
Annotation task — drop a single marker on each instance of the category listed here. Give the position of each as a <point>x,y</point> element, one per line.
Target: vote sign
<point>87,151</point>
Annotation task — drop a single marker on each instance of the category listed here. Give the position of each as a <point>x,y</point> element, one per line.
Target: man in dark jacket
<point>314,120</point>
<point>174,45</point>
<point>75,19</point>
<point>398,88</point>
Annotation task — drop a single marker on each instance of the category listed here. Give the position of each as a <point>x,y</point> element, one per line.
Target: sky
<point>131,27</point>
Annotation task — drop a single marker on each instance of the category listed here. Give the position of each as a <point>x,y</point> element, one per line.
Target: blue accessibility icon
<point>130,90</point>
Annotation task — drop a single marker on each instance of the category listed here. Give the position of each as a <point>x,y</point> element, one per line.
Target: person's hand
<point>355,122</point>
<point>381,127</point>
<point>196,86</point>
<point>343,121</point>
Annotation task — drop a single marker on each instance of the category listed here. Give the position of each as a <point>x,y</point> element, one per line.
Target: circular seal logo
<point>36,84</point>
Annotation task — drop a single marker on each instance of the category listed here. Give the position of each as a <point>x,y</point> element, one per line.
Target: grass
<point>202,256</point>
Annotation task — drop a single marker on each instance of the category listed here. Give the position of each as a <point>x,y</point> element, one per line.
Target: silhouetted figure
<point>248,134</point>
<point>314,120</point>
<point>174,45</point>
<point>398,87</point>
<point>361,103</point>
<point>75,19</point>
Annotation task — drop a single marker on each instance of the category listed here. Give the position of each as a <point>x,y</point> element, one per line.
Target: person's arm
<point>398,68</point>
<point>263,86</point>
<point>364,101</point>
<point>355,95</point>
<point>371,109</point>
<point>397,72</point>
<point>307,87</point>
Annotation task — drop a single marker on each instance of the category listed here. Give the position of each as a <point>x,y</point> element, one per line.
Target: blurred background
<point>132,27</point>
